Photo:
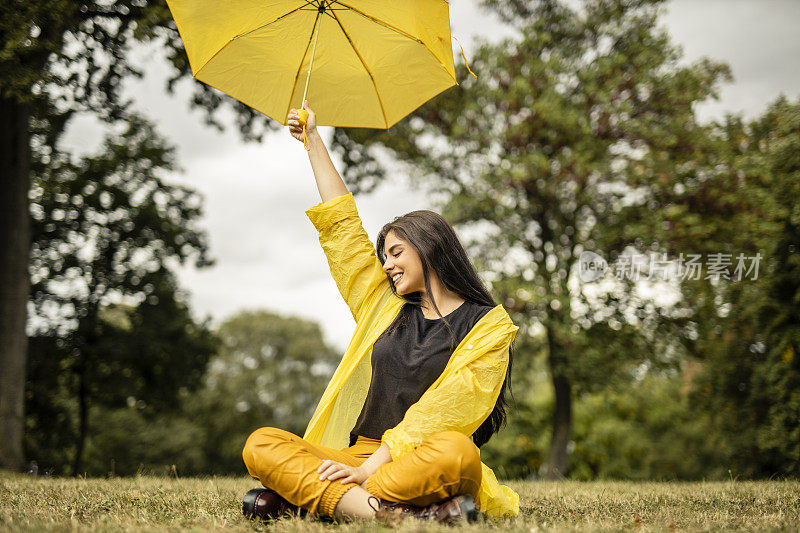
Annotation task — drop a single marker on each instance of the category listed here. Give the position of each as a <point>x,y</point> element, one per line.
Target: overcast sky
<point>267,251</point>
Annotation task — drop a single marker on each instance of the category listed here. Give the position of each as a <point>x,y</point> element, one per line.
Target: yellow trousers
<point>445,465</point>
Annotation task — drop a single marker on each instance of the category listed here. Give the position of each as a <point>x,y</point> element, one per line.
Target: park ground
<point>148,503</point>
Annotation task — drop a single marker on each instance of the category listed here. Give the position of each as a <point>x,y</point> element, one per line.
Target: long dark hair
<point>440,251</point>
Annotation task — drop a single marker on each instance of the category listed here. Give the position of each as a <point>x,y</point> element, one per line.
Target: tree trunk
<point>15,242</point>
<point>83,421</point>
<point>562,412</point>
<point>562,429</point>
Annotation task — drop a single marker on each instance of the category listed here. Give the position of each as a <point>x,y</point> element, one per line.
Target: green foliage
<point>126,442</point>
<point>647,431</point>
<point>151,411</point>
<point>111,218</point>
<point>750,384</point>
<point>270,371</point>
<point>519,450</point>
<point>107,227</point>
<point>104,226</point>
<point>149,363</point>
<point>51,432</point>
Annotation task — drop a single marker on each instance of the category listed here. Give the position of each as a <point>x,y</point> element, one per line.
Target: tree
<point>133,370</point>
<point>108,228</point>
<point>748,340</point>
<point>61,57</point>
<point>575,137</point>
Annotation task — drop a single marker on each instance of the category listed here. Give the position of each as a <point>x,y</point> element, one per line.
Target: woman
<point>418,391</point>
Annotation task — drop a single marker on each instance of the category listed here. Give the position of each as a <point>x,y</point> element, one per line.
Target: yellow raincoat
<point>460,399</point>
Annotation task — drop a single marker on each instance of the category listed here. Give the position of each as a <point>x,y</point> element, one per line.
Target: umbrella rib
<point>371,77</point>
<point>398,30</point>
<point>300,66</point>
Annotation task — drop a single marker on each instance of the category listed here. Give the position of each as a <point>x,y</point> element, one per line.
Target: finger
<point>338,474</point>
<point>325,464</point>
<point>328,471</point>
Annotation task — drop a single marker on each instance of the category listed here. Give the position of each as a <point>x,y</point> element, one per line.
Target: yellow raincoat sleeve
<point>353,263</point>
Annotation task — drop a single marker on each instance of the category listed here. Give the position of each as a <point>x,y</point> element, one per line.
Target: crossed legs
<point>444,465</point>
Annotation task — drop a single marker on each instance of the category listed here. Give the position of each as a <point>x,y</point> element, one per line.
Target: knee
<point>464,451</point>
<point>259,438</point>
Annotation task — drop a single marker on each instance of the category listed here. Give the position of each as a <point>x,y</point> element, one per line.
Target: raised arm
<point>353,263</point>
<point>329,182</point>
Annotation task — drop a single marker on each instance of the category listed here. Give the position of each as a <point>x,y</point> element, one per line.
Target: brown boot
<point>267,504</point>
<point>457,510</point>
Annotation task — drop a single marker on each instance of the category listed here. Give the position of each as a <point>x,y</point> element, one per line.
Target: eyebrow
<point>392,247</point>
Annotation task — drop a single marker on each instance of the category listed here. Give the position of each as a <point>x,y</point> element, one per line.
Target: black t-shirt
<point>406,362</point>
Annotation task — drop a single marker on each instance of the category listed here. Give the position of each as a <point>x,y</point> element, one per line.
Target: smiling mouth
<point>397,279</point>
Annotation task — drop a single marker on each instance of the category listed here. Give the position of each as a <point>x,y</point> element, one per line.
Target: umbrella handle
<point>302,116</point>
<point>302,113</point>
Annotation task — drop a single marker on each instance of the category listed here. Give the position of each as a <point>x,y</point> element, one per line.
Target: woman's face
<point>401,258</point>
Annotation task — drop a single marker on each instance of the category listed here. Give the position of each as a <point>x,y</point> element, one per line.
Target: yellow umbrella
<point>374,61</point>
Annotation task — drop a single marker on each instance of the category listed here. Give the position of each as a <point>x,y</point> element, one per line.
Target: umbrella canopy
<point>374,61</point>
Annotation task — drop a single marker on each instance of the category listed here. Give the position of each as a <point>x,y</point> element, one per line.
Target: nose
<point>387,266</point>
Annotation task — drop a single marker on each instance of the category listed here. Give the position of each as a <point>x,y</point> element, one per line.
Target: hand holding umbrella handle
<point>305,119</point>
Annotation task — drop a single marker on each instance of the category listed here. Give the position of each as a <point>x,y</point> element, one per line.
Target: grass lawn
<point>162,503</point>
